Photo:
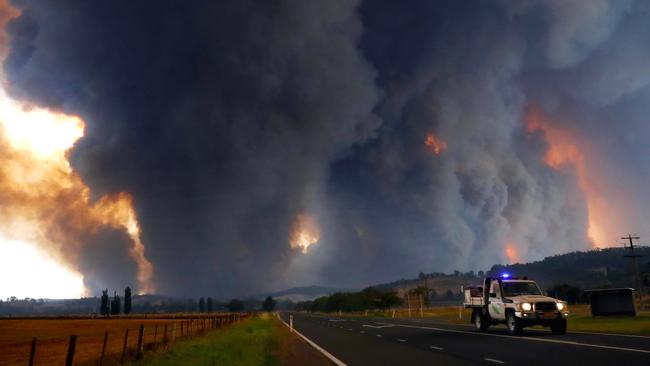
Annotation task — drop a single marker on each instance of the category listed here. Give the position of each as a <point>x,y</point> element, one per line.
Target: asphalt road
<point>368,341</point>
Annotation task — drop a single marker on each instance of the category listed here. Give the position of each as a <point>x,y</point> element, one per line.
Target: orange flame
<point>564,151</point>
<point>304,232</point>
<point>45,204</point>
<point>512,254</point>
<point>435,144</point>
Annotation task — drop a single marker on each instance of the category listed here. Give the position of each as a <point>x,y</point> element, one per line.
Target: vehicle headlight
<point>560,306</point>
<point>526,306</point>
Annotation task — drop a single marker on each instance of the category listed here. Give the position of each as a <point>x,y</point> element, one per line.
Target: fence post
<point>32,353</point>
<point>155,335</point>
<point>126,337</point>
<point>101,359</point>
<point>182,325</point>
<point>71,347</point>
<point>291,322</point>
<point>165,336</point>
<point>173,331</point>
<point>140,336</point>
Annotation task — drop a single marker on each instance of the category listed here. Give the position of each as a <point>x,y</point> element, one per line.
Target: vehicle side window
<point>495,289</point>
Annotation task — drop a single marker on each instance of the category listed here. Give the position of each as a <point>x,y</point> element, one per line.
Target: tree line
<point>205,305</point>
<point>369,298</point>
<point>114,307</point>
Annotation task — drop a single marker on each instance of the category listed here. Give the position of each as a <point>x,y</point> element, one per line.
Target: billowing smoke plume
<point>276,143</point>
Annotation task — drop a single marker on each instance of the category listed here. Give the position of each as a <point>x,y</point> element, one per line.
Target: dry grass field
<point>53,335</point>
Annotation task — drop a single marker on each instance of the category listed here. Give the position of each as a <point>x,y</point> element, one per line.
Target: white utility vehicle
<point>518,303</point>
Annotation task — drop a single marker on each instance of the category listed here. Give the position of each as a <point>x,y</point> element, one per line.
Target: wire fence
<point>111,347</point>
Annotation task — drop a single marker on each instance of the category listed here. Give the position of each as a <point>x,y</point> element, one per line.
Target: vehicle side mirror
<point>492,294</point>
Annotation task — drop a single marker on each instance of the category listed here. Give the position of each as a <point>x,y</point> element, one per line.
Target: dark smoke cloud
<point>225,120</point>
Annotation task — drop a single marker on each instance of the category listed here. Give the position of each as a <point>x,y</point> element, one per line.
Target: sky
<point>224,148</point>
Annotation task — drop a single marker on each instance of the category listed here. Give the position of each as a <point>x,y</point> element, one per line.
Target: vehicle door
<point>496,306</point>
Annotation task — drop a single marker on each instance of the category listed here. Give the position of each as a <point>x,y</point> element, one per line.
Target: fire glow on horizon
<point>46,207</point>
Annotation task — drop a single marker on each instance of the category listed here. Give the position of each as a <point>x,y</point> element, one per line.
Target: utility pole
<point>635,267</point>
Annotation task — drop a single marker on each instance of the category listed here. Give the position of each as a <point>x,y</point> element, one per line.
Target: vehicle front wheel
<point>481,322</point>
<point>514,325</point>
<point>558,326</point>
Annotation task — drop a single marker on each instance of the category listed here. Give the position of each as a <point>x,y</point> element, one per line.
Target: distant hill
<point>303,293</point>
<point>600,268</point>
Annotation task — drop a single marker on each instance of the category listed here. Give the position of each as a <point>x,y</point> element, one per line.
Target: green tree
<point>390,300</point>
<point>449,295</point>
<point>105,307</point>
<point>268,304</point>
<point>115,305</point>
<point>201,305</point>
<point>568,293</point>
<point>235,305</point>
<point>127,300</point>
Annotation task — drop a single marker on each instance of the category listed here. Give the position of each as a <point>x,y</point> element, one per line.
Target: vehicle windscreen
<point>520,288</point>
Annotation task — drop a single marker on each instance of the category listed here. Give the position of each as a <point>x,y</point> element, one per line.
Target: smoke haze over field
<point>279,143</point>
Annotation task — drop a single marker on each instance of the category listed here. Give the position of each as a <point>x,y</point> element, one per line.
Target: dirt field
<point>53,335</point>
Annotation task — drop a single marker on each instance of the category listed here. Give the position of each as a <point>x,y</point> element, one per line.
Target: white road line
<point>401,340</point>
<point>572,343</point>
<point>493,360</point>
<point>436,348</point>
<point>611,334</point>
<point>378,326</point>
<point>543,330</point>
<point>317,347</point>
<point>378,335</point>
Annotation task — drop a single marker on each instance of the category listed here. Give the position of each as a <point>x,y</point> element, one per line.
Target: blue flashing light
<point>505,275</point>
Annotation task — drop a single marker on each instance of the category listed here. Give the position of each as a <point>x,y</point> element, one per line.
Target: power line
<point>635,266</point>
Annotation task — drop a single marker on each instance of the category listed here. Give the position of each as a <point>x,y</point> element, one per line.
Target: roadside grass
<point>249,343</point>
<point>580,319</point>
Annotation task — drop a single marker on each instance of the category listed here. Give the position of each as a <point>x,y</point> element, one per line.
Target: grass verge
<point>580,319</point>
<point>251,342</point>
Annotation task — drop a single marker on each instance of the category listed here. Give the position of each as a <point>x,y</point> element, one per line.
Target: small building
<point>612,301</point>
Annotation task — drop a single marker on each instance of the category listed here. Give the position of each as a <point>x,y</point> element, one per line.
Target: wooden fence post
<point>140,337</point>
<point>173,331</point>
<point>126,337</point>
<point>101,359</point>
<point>71,347</point>
<point>182,325</point>
<point>155,335</point>
<point>165,337</point>
<point>32,353</point>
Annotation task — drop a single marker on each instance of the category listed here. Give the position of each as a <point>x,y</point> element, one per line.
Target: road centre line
<point>378,326</point>
<point>529,339</point>
<point>401,340</point>
<point>493,360</point>
<point>436,348</point>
